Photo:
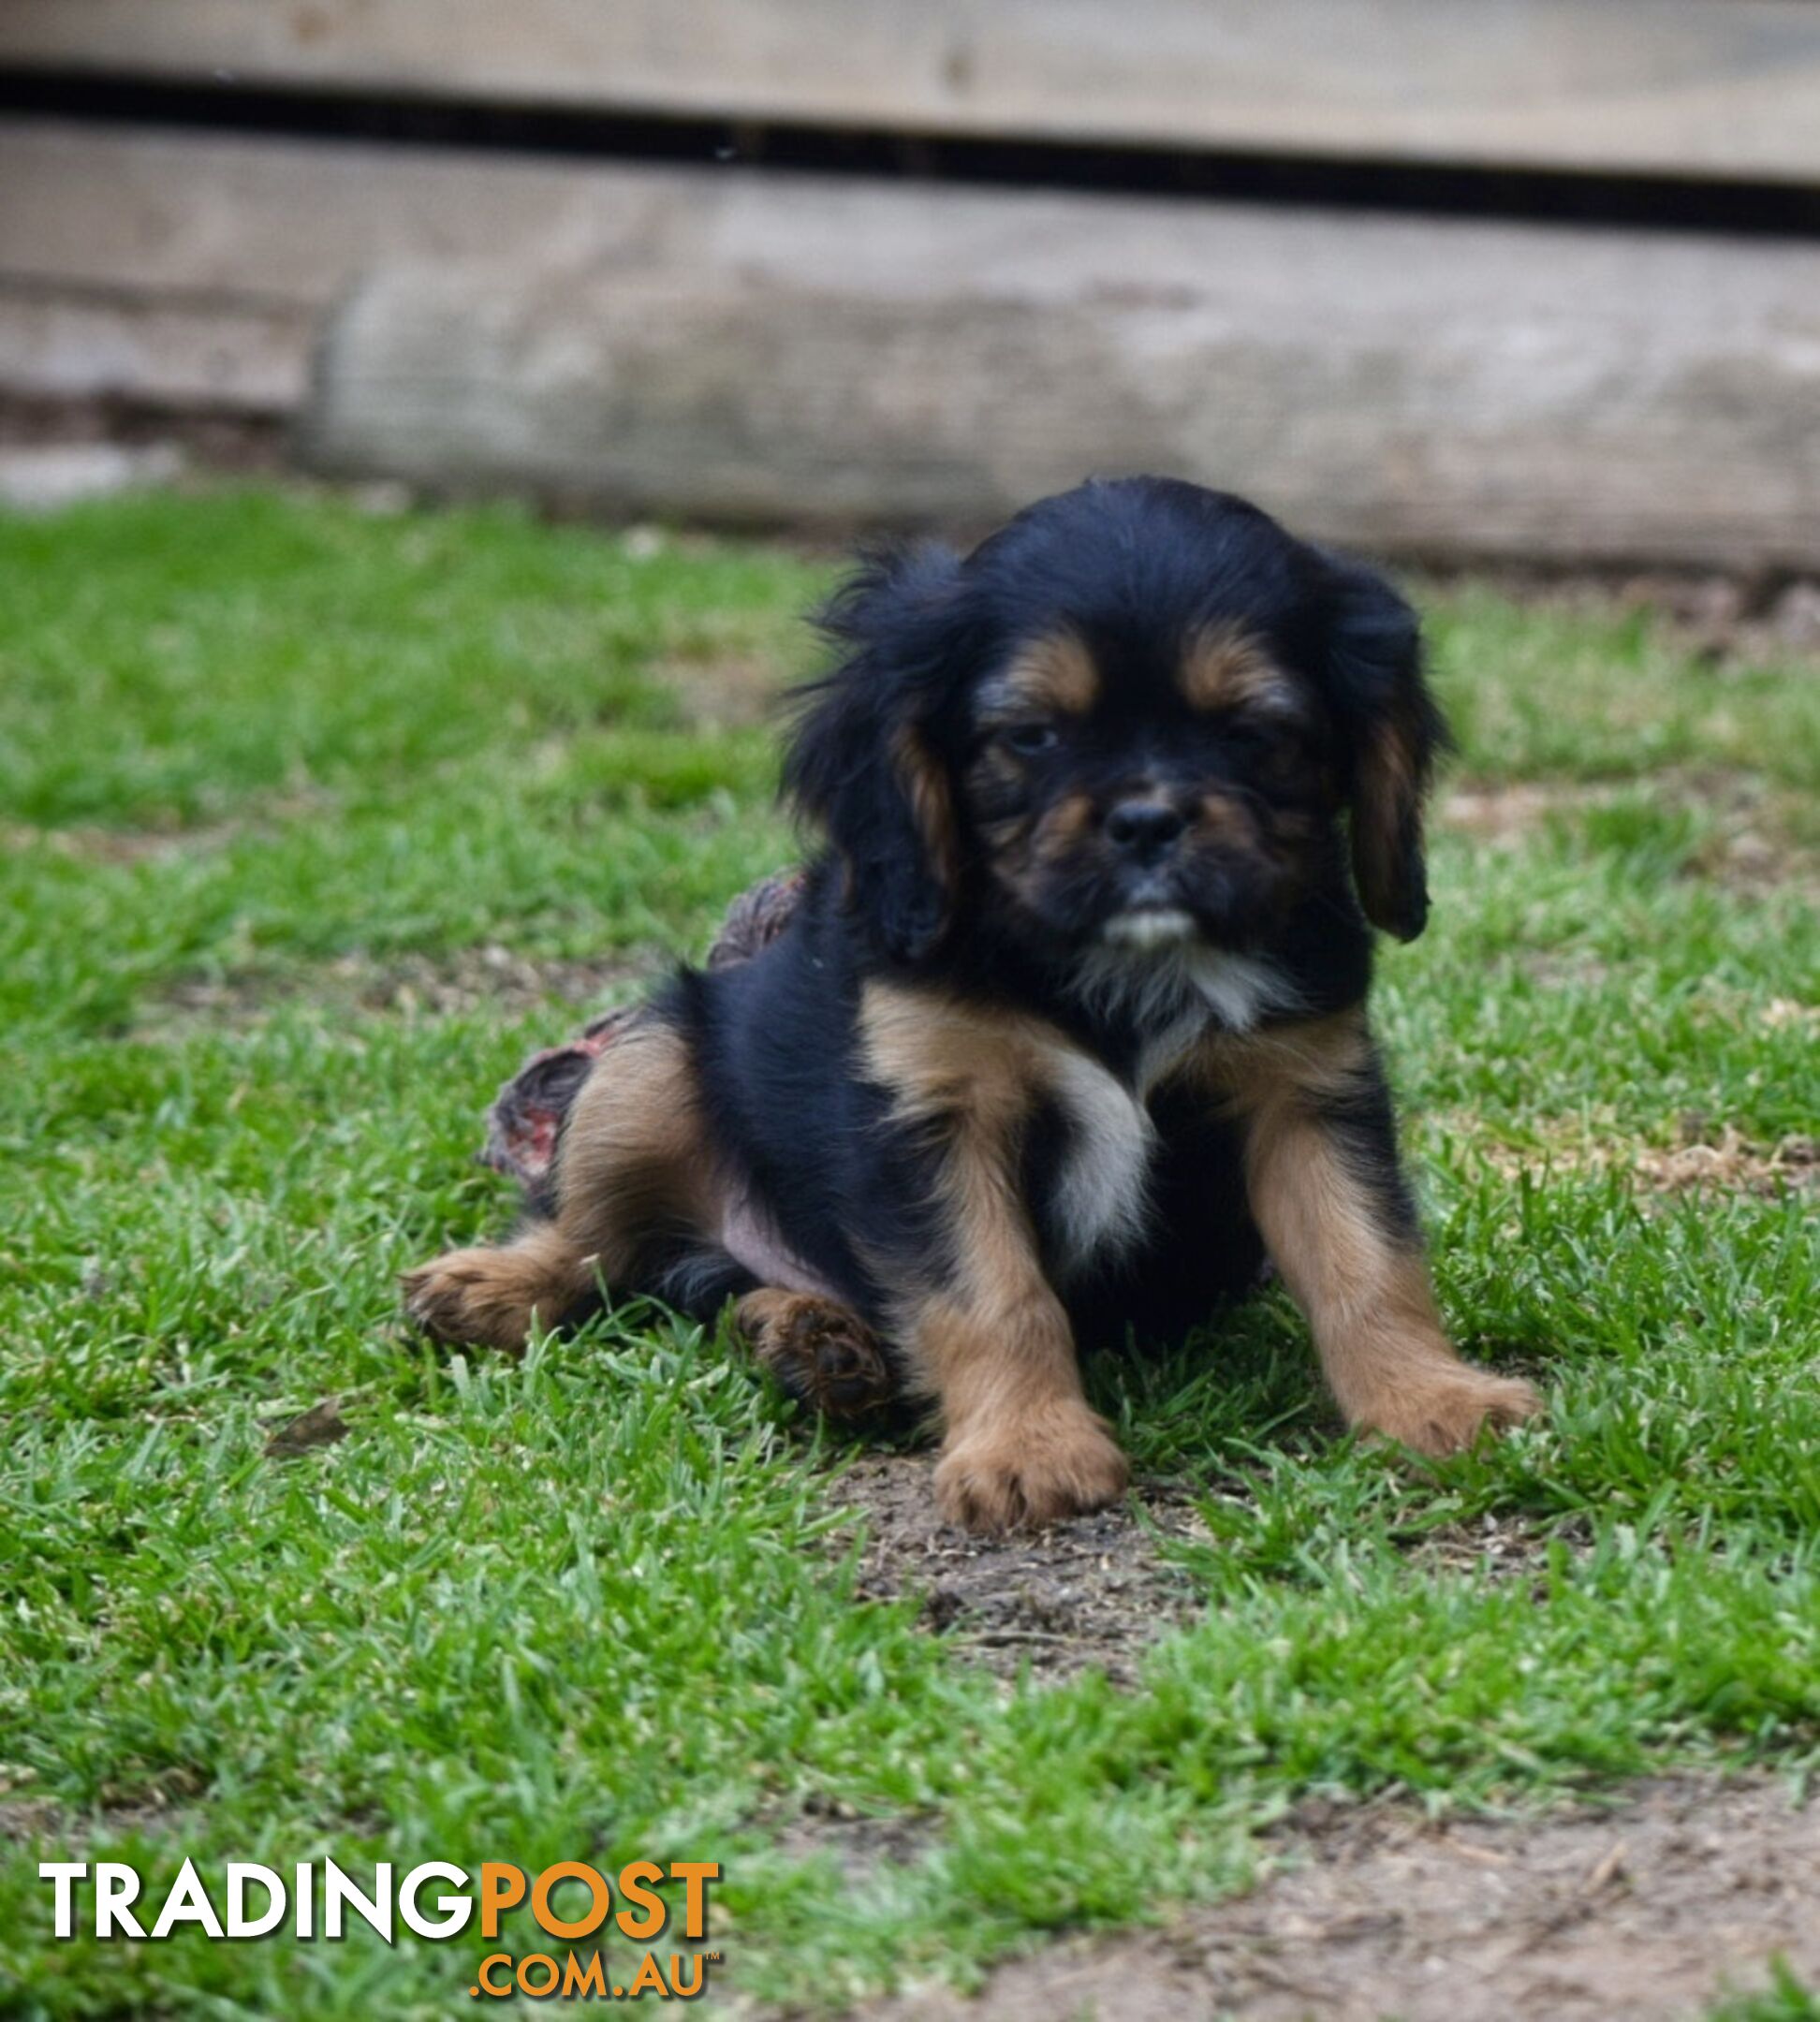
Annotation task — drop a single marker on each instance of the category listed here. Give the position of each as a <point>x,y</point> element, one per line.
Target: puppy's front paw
<point>1029,1468</point>
<point>471,1297</point>
<point>1448,1411</point>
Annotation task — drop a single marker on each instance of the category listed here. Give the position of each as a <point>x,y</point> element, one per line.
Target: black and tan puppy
<point>1069,1027</point>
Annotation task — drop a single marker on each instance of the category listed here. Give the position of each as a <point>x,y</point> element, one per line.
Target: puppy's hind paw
<point>818,1351</point>
<point>487,1297</point>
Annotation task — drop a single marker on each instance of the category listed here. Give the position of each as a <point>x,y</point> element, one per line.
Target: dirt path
<point>1093,1591</point>
<point>1648,1913</point>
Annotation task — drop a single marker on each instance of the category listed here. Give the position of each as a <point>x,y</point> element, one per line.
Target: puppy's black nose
<point>1145,827</point>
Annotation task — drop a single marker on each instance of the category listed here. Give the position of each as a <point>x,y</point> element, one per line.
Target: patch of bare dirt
<point>1731,617</point>
<point>859,1844</point>
<point>1756,845</point>
<point>487,976</point>
<point>1643,1913</point>
<point>490,977</point>
<point>1499,1548</point>
<point>1723,618</point>
<point>1092,1591</point>
<point>1752,847</point>
<point>728,692</point>
<point>1504,813</point>
<point>88,843</point>
<point>1723,1157</point>
<point>24,1819</point>
<point>1707,1155</point>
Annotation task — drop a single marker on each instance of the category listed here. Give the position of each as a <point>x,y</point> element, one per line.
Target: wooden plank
<point>1473,388</point>
<point>1459,390</point>
<point>1723,88</point>
<point>219,358</point>
<point>287,220</point>
<point>264,221</point>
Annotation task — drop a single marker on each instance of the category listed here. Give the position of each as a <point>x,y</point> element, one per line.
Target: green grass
<point>1785,2000</point>
<point>600,1604</point>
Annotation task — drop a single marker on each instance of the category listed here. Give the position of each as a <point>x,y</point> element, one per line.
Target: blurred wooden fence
<point>747,342</point>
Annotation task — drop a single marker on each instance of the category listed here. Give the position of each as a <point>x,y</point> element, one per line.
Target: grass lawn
<point>313,822</point>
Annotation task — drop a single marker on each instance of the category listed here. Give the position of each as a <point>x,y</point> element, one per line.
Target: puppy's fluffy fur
<point>1069,1027</point>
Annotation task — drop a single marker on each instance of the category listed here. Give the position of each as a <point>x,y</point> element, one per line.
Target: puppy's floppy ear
<point>863,761</point>
<point>1391,734</point>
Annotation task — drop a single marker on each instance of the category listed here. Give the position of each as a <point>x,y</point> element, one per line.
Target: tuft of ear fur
<point>863,762</point>
<point>1391,733</point>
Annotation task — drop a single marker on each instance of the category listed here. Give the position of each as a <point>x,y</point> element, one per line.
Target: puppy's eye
<point>1271,755</point>
<point>1028,738</point>
<point>1260,740</point>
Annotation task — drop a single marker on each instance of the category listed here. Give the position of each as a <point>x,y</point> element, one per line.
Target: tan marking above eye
<point>1055,676</point>
<point>1224,667</point>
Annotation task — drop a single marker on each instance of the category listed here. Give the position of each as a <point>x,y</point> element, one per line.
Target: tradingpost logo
<point>600,1942</point>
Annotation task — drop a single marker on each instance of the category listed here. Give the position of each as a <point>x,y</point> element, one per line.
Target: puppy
<point>1068,1028</point>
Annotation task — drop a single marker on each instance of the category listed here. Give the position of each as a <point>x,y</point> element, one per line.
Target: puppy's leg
<point>631,1171</point>
<point>489,1296</point>
<point>996,1348</point>
<point>1022,1447</point>
<point>1323,1178</point>
<point>985,1336</point>
<point>819,1350</point>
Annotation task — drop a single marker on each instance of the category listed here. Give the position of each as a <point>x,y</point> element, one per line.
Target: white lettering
<point>115,1887</point>
<point>338,1889</point>
<point>187,1903</point>
<point>65,1876</point>
<point>456,1909</point>
<point>242,1924</point>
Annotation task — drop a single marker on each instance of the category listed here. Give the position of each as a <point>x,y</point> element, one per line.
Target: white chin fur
<point>1154,927</point>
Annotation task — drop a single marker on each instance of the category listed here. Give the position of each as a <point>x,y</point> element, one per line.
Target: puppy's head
<point>1128,720</point>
